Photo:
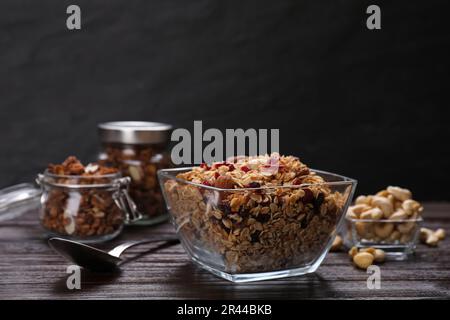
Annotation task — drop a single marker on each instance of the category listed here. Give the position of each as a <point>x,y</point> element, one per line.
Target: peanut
<point>363,260</point>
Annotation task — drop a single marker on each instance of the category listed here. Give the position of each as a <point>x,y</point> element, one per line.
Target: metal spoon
<point>95,259</point>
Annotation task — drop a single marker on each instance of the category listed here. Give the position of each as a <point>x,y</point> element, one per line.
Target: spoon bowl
<point>95,259</point>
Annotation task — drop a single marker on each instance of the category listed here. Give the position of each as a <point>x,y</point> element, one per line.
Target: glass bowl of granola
<point>256,218</point>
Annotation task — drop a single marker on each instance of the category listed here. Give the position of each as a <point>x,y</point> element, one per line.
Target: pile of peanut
<point>365,257</point>
<point>392,207</point>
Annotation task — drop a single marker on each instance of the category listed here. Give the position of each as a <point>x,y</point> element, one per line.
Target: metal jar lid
<point>134,132</point>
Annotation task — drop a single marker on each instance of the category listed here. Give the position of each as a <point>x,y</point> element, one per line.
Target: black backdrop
<point>368,104</point>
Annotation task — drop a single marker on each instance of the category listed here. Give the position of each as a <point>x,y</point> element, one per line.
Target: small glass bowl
<point>88,209</point>
<point>398,238</point>
<point>259,233</point>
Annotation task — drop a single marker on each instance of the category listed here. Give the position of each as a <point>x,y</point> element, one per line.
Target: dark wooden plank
<point>30,270</point>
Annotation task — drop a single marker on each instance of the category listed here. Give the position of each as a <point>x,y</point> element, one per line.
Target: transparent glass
<point>398,238</point>
<point>85,208</point>
<point>257,233</point>
<point>140,162</point>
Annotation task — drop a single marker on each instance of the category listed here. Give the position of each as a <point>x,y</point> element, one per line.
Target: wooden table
<point>29,269</point>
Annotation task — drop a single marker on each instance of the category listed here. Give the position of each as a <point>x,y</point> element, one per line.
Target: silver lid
<point>134,132</point>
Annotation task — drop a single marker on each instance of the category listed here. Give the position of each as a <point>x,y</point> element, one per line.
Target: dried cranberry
<point>207,183</point>
<point>245,168</point>
<point>216,175</point>
<point>220,164</point>
<point>205,166</point>
<point>308,197</point>
<point>297,181</point>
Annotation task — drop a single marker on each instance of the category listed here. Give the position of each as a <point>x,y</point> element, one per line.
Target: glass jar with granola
<point>84,203</point>
<point>138,149</point>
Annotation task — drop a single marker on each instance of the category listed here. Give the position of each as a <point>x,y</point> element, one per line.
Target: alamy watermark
<point>212,145</point>
<point>374,280</point>
<point>74,280</point>
<point>73,21</point>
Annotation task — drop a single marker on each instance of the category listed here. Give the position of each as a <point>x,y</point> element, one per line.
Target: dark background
<point>368,104</point>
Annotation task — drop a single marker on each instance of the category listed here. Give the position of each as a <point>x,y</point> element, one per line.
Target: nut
<point>410,207</point>
<point>364,200</point>
<point>337,244</point>
<point>400,193</point>
<point>440,234</point>
<point>399,214</point>
<point>379,255</point>
<point>395,235</point>
<point>432,240</point>
<point>368,250</point>
<point>374,213</point>
<point>384,204</point>
<point>383,229</point>
<point>425,233</point>
<point>406,227</point>
<point>431,237</point>
<point>353,251</point>
<point>363,260</point>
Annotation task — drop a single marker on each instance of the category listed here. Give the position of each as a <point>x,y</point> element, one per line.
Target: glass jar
<point>85,208</point>
<point>139,149</point>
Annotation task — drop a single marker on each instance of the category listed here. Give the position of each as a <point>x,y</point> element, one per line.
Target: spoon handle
<point>117,251</point>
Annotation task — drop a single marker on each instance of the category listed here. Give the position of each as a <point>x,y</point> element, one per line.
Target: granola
<point>140,163</point>
<point>83,212</point>
<point>259,213</point>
